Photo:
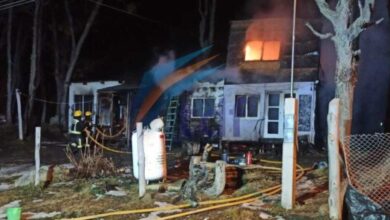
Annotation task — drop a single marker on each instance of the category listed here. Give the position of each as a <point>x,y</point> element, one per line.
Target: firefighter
<point>75,131</point>
<point>87,126</point>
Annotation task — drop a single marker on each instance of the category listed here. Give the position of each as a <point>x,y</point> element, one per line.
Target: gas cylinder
<point>248,157</point>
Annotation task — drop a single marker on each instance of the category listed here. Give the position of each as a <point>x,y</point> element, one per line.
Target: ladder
<point>170,121</point>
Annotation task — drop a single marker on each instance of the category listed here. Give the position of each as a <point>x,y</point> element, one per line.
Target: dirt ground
<point>80,197</point>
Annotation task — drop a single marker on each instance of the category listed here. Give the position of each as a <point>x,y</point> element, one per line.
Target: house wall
<point>89,88</point>
<point>197,128</point>
<point>251,129</point>
<point>262,76</point>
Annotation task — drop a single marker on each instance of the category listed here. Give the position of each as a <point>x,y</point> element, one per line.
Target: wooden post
<point>128,121</point>
<point>37,156</point>
<point>20,120</point>
<point>141,160</point>
<point>289,153</point>
<point>335,205</point>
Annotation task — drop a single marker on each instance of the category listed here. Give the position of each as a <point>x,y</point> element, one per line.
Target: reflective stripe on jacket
<point>73,128</point>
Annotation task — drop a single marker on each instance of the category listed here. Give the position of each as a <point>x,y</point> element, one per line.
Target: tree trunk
<point>346,31</point>
<point>57,74</point>
<point>33,66</point>
<point>75,55</point>
<point>44,105</point>
<point>20,44</point>
<point>345,83</point>
<point>212,22</point>
<point>10,88</point>
<point>203,10</point>
<point>206,9</point>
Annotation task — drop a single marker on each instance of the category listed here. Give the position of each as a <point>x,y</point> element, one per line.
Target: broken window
<point>203,107</point>
<point>247,106</point>
<point>262,50</point>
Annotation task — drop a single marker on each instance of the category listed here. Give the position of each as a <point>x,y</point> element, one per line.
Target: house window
<point>203,107</point>
<point>262,50</point>
<point>83,102</point>
<point>247,106</point>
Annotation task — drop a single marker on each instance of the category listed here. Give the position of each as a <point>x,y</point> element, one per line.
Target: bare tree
<point>10,88</point>
<point>345,31</point>
<point>206,10</point>
<point>35,53</point>
<point>63,78</point>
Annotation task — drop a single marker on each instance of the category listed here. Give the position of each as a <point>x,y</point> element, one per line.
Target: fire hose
<point>111,136</point>
<point>225,202</point>
<point>103,146</point>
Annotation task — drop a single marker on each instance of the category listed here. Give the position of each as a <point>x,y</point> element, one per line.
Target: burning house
<point>247,104</point>
<point>244,102</point>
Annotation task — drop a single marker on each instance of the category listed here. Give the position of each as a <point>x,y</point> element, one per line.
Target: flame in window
<point>253,50</point>
<point>259,50</point>
<point>271,50</point>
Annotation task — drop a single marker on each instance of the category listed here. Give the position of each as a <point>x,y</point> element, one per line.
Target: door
<point>274,115</point>
<point>274,107</point>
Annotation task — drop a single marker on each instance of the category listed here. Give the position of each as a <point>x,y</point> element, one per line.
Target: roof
<point>119,88</point>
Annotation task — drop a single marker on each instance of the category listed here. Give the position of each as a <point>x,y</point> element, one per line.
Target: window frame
<point>246,106</point>
<point>203,107</point>
<point>262,51</point>
<point>85,103</point>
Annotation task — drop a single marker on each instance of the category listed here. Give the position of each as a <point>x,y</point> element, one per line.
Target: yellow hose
<point>105,147</point>
<point>215,207</point>
<point>111,136</point>
<point>273,190</point>
<point>128,212</point>
<point>278,188</point>
<point>271,161</point>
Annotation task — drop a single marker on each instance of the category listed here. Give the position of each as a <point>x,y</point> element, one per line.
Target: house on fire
<point>247,102</point>
<point>244,102</point>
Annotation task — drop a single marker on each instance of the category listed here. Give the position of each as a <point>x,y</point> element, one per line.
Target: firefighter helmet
<point>88,113</point>
<point>77,113</point>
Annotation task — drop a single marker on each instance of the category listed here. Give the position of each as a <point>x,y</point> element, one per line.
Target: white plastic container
<point>155,155</point>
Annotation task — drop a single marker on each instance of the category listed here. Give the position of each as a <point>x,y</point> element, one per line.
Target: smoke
<point>166,65</point>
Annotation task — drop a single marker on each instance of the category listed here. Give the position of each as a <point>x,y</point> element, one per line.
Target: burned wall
<point>198,128</point>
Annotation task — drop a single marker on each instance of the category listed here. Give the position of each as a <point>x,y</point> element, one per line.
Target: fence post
<point>334,201</point>
<point>37,155</point>
<point>289,153</point>
<point>20,120</point>
<point>141,160</point>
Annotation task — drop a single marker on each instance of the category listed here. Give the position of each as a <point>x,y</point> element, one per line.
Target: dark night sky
<point>120,44</point>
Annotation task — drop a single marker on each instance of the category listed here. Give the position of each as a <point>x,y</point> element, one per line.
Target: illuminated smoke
<point>150,96</point>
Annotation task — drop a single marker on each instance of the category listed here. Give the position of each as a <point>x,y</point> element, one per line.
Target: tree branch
<point>363,21</point>
<point>80,42</point>
<point>318,34</point>
<point>70,20</point>
<point>324,8</point>
<point>212,22</point>
<point>356,52</point>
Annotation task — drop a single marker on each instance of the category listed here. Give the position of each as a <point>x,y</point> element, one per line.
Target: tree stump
<point>204,178</point>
